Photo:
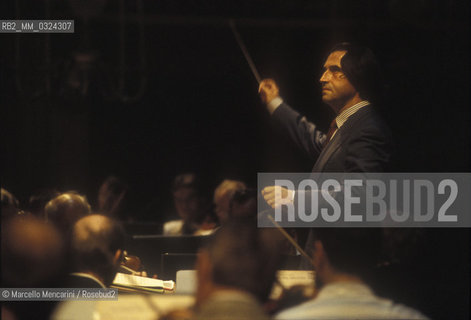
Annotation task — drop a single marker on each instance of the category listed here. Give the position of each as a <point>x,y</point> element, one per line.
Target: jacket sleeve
<point>304,134</point>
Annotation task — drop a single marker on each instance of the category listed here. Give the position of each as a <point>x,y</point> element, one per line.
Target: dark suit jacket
<point>362,144</point>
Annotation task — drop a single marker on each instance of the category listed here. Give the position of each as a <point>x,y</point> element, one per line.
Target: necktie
<point>332,128</point>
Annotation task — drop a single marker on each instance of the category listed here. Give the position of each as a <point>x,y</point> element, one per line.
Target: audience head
<point>38,200</point>
<point>188,195</point>
<point>239,256</point>
<point>351,251</point>
<point>65,209</point>
<point>223,195</point>
<point>10,205</point>
<point>33,253</point>
<point>244,205</point>
<point>97,247</point>
<point>111,197</point>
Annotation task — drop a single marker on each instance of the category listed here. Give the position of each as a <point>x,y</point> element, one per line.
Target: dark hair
<point>351,250</point>
<point>198,183</point>
<point>185,180</point>
<point>10,204</point>
<point>38,200</point>
<point>244,204</point>
<point>244,257</point>
<point>111,197</point>
<point>362,70</point>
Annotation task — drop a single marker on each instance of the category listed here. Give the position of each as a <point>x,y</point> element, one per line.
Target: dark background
<point>146,89</point>
<point>166,88</point>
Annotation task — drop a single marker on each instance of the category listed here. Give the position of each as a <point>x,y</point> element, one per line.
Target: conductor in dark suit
<point>358,139</point>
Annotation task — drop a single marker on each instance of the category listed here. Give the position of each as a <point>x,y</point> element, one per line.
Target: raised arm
<point>304,134</point>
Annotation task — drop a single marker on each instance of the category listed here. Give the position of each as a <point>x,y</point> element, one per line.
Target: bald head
<point>96,239</point>
<point>92,227</point>
<point>65,209</point>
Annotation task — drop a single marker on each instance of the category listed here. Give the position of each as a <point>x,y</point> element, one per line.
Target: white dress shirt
<point>348,300</point>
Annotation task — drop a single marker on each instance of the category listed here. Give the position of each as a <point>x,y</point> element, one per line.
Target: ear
<point>204,276</point>
<point>319,256</point>
<point>118,257</point>
<point>203,266</point>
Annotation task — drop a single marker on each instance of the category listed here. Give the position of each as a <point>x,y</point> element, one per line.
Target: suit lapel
<point>328,150</point>
<point>339,138</point>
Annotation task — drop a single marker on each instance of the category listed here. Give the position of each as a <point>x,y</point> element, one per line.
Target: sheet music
<point>129,280</point>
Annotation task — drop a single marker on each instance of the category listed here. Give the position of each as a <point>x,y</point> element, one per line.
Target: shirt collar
<point>343,289</point>
<point>345,114</point>
<point>87,275</point>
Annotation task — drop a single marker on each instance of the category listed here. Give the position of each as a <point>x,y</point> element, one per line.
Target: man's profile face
<point>337,90</point>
